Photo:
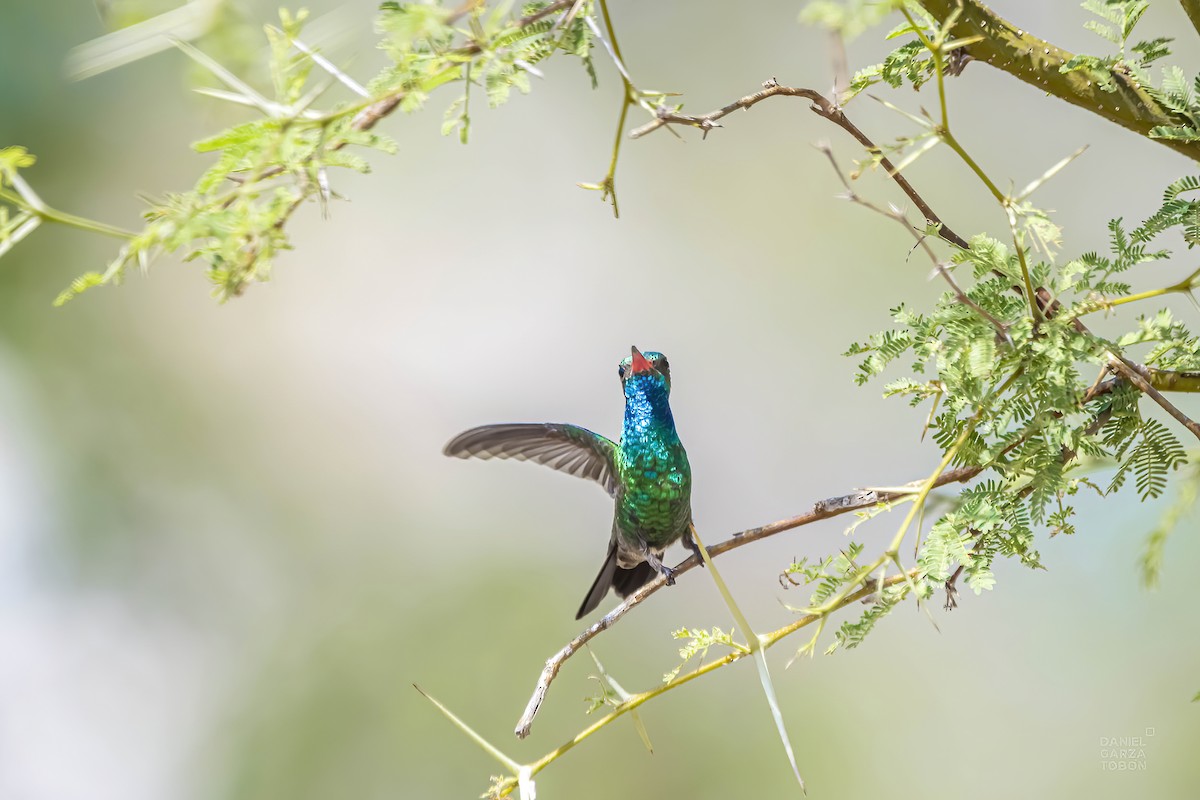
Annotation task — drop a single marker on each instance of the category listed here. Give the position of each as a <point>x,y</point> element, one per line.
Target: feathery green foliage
<point>1023,391</point>
<point>698,644</point>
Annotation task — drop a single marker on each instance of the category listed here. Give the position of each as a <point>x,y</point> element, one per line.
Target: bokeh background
<point>229,542</point>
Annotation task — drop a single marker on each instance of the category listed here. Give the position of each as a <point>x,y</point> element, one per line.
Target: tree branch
<point>1168,381</point>
<point>1037,62</point>
<point>939,267</point>
<point>1192,9</point>
<point>820,510</point>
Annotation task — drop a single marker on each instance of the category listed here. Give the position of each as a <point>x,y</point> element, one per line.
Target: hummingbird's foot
<point>661,568</point>
<point>690,544</point>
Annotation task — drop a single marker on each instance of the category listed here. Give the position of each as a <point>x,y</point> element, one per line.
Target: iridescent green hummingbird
<point>647,474</point>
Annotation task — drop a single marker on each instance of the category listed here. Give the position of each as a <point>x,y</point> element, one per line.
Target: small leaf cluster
<point>851,633</point>
<point>911,62</point>
<point>1177,94</point>
<point>1115,22</point>
<point>1151,560</point>
<point>829,575</point>
<point>699,643</point>
<point>1177,211</point>
<point>848,19</point>
<point>12,216</point>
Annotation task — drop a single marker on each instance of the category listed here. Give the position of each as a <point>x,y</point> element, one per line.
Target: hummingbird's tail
<point>603,582</point>
<point>627,581</point>
<point>624,581</point>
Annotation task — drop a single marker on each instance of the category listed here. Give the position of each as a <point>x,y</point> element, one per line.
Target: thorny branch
<point>939,266</point>
<point>822,107</point>
<point>820,510</point>
<point>1133,373</point>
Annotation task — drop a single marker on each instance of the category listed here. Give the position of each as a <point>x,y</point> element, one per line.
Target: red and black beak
<point>640,364</point>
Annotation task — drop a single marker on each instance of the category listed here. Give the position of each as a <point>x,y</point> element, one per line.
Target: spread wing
<point>566,448</point>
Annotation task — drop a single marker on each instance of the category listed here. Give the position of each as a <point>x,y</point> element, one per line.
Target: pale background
<point>229,542</point>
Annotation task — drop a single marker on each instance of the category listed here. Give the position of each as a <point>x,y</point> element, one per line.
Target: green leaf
<point>849,19</point>
<point>14,158</point>
<point>1151,560</point>
<point>1152,50</point>
<point>87,280</point>
<point>1101,29</point>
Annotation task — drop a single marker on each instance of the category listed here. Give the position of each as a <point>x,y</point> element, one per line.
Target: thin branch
<point>952,581</point>
<point>1030,294</point>
<point>29,201</point>
<point>922,241</point>
<point>612,48</point>
<point>822,107</point>
<point>952,589</point>
<point>1185,286</point>
<point>1133,373</point>
<point>821,510</point>
<point>327,65</point>
<point>629,96</point>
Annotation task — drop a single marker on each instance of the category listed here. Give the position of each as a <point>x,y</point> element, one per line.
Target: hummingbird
<point>647,473</point>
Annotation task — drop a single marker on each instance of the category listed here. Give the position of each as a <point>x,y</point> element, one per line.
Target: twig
<point>609,48</point>
<point>952,581</point>
<point>822,107</point>
<point>630,96</point>
<point>331,68</point>
<point>821,510</point>
<point>922,242</point>
<point>1133,373</point>
<point>952,589</point>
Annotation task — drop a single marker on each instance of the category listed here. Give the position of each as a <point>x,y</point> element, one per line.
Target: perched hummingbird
<point>647,474</point>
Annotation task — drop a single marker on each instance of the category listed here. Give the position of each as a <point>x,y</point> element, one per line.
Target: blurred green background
<point>229,542</point>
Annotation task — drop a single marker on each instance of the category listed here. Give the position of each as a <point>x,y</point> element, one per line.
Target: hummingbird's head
<point>644,370</point>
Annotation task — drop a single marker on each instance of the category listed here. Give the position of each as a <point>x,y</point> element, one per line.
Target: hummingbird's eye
<point>621,371</point>
<point>661,364</point>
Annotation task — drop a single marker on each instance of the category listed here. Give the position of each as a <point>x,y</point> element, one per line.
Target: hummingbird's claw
<point>690,544</point>
<point>662,569</point>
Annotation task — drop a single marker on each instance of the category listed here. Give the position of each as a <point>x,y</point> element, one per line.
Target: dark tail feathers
<point>624,581</point>
<point>627,581</point>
